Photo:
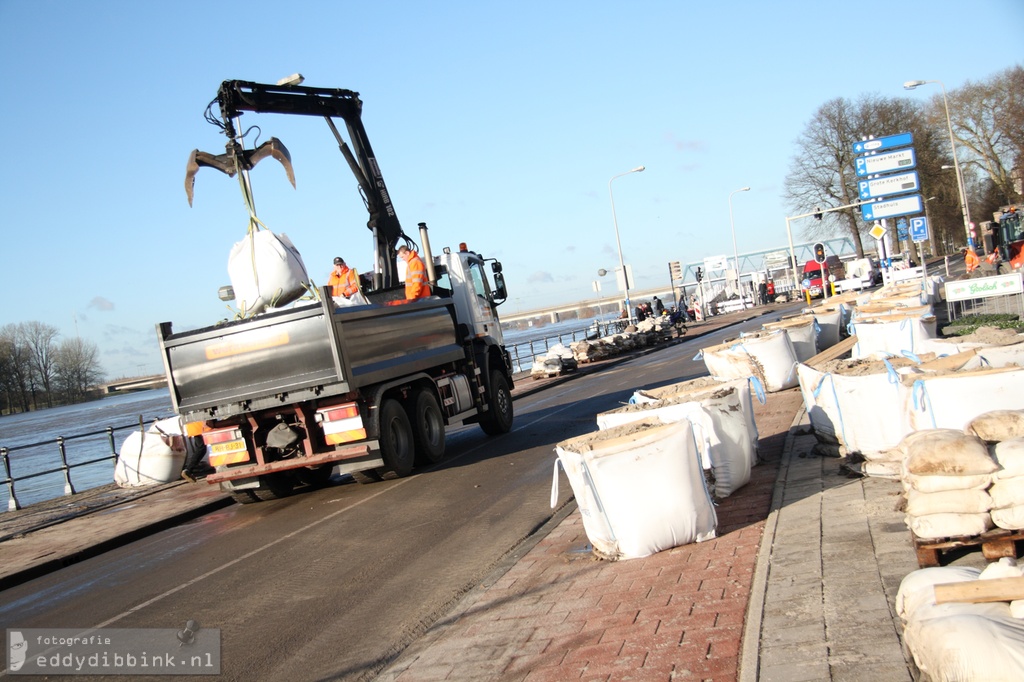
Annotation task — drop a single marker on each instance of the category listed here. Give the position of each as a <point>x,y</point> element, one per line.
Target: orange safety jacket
<point>971,260</point>
<point>344,284</point>
<point>416,285</point>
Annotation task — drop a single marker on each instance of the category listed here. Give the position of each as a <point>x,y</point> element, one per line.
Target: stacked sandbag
<point>768,356</point>
<point>1004,431</point>
<point>722,415</point>
<point>961,640</point>
<point>558,360</point>
<point>639,487</point>
<point>803,333</point>
<point>945,476</point>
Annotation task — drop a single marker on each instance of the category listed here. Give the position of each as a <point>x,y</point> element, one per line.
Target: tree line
<point>987,121</point>
<point>38,370</point>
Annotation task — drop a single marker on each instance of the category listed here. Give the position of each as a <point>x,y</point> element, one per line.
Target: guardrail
<point>523,353</point>
<point>65,467</point>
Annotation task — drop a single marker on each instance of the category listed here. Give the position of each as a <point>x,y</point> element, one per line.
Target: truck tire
<point>274,486</point>
<point>427,427</point>
<point>396,441</point>
<point>498,418</point>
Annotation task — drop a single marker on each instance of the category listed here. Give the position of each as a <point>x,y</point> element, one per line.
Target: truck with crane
<point>290,396</point>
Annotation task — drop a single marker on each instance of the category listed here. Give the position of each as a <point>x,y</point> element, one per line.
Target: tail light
<point>226,446</point>
<point>341,423</point>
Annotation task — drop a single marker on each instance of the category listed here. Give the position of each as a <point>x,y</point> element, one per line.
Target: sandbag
<point>936,484</point>
<point>847,407</point>
<point>917,587</point>
<point>935,526</point>
<point>803,334</point>
<point>721,428</point>
<point>831,324</point>
<point>1011,518</point>
<point>768,356</point>
<point>953,400</point>
<point>893,335</point>
<point>639,487</point>
<point>149,458</point>
<point>945,452</point>
<point>1007,492</point>
<point>266,271</point>
<point>948,502</point>
<point>1009,455</point>
<point>969,646</point>
<point>997,425</point>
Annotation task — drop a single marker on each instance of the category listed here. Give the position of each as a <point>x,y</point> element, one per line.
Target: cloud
<point>100,303</point>
<point>540,277</point>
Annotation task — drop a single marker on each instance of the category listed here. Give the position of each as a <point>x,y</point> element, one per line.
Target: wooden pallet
<point>995,544</point>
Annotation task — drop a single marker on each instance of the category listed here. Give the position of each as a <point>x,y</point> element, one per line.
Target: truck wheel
<point>274,486</point>
<point>427,427</point>
<point>317,477</point>
<point>396,448</point>
<point>244,497</point>
<point>498,418</point>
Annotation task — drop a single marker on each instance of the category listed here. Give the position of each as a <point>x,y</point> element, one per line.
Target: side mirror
<point>500,293</point>
<point>495,267</point>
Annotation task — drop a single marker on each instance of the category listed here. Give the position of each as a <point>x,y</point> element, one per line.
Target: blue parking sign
<point>918,230</point>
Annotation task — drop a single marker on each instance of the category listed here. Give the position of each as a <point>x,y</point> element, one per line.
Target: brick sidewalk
<point>559,613</point>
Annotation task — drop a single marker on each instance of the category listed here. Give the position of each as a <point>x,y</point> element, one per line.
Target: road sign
<point>918,230</point>
<point>892,207</point>
<point>877,232</point>
<point>889,184</point>
<point>880,143</point>
<point>901,229</point>
<point>883,163</point>
<point>716,263</point>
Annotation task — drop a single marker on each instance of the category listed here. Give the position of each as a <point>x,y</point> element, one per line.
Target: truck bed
<point>306,352</point>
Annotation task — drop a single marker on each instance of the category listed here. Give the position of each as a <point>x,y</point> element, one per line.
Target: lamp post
<point>618,242</point>
<point>964,208</point>
<point>735,251</point>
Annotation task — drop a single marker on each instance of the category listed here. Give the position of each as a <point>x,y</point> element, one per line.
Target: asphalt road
<point>333,583</point>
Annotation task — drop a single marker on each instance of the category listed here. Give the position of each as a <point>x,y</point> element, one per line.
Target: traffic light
<point>819,252</point>
<point>675,270</point>
<point>700,274</point>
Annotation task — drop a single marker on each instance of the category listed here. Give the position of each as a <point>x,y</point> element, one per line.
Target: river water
<point>31,438</point>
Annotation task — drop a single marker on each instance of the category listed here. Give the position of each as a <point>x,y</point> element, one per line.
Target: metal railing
<point>524,352</point>
<point>65,467</point>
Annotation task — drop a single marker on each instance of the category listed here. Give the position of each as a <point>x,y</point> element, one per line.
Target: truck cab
<point>812,275</point>
<point>462,275</point>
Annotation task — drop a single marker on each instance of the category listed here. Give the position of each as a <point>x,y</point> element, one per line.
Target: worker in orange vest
<point>416,285</point>
<point>971,260</point>
<point>343,281</point>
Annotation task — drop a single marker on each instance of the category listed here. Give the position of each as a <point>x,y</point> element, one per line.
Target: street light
<point>618,243</point>
<point>964,208</point>
<point>735,252</point>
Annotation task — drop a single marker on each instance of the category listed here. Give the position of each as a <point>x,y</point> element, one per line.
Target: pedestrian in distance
<point>659,307</point>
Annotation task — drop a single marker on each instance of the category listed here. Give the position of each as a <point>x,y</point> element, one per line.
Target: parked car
<point>812,275</point>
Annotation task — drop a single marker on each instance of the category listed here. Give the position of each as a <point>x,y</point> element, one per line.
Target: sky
<point>499,124</point>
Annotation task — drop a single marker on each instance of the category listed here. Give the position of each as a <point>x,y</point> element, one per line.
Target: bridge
<point>134,384</point>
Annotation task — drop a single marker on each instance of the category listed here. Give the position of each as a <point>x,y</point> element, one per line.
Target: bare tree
<point>77,368</point>
<point>39,338</point>
<point>987,119</point>
<point>16,367</point>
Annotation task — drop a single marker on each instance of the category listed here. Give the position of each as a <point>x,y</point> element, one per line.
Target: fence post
<point>12,501</point>
<point>110,439</point>
<point>69,487</point>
